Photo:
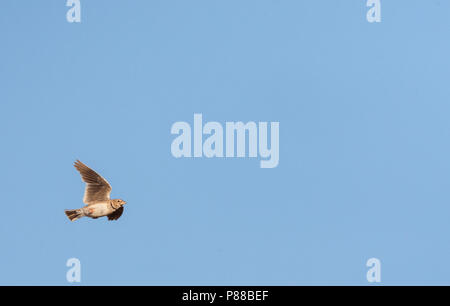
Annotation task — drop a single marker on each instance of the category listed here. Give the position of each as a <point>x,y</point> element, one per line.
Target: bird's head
<point>118,202</point>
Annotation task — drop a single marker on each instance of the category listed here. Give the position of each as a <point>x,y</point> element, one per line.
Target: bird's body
<point>96,196</point>
<point>100,209</point>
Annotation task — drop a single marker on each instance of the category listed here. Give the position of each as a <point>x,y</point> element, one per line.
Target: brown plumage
<point>97,188</point>
<point>96,196</point>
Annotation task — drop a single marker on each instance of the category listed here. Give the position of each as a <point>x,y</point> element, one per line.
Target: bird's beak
<point>124,202</point>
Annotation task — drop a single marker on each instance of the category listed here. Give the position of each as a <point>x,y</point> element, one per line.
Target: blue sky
<point>364,165</point>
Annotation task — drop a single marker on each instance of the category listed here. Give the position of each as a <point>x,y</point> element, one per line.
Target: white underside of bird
<point>98,210</point>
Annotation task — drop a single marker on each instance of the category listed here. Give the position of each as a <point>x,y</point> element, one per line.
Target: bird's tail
<point>74,214</point>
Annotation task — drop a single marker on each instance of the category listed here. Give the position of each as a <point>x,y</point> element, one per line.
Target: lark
<point>96,196</point>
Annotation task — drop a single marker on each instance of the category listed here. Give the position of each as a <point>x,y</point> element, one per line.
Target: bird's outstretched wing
<point>97,188</point>
<point>116,214</point>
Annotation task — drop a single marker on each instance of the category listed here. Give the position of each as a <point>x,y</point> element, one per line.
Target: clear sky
<point>364,165</point>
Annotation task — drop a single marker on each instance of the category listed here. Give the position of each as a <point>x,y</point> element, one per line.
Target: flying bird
<point>96,196</point>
